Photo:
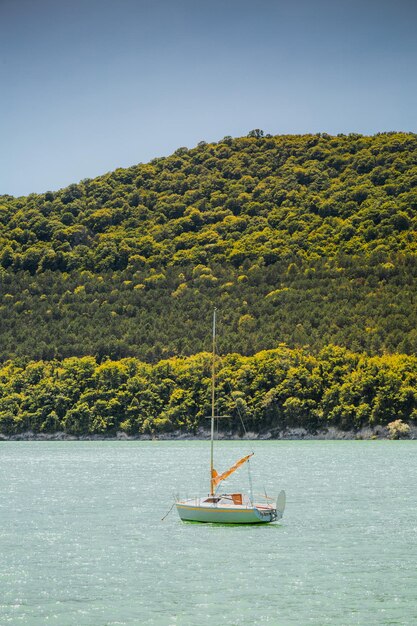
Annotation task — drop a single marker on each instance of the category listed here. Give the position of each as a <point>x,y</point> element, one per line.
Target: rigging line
<point>250,481</point>
<point>215,396</point>
<point>236,405</point>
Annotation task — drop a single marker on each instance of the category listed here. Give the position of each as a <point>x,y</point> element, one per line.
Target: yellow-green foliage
<point>313,236</point>
<point>272,390</point>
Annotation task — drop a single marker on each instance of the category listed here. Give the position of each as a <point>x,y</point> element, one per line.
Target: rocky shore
<point>297,434</point>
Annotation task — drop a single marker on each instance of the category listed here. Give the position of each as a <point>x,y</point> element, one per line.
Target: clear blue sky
<point>91,85</point>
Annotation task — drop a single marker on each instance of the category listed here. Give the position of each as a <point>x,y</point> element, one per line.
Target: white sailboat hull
<point>196,510</point>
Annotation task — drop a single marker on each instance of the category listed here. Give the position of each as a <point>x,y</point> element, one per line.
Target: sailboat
<point>228,508</point>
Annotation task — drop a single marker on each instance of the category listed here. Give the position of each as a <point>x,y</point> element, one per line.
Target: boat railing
<point>263,495</point>
<point>198,500</point>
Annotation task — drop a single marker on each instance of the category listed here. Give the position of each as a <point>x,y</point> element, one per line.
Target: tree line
<point>271,391</point>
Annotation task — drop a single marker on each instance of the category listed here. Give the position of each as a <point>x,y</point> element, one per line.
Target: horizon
<point>91,87</point>
<point>214,142</point>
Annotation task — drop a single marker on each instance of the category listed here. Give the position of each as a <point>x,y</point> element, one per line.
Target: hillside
<point>304,240</point>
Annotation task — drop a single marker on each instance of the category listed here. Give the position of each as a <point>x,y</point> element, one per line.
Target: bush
<point>398,430</point>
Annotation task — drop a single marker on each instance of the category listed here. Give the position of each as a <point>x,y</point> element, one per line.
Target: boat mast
<point>213,373</point>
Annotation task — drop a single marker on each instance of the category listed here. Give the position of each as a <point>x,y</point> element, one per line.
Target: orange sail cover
<point>216,478</point>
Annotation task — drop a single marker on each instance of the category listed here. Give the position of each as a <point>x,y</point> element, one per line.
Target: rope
<point>250,482</point>
<point>241,421</point>
<point>236,405</point>
<point>166,514</point>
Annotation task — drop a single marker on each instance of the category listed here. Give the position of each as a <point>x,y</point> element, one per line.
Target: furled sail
<point>217,478</point>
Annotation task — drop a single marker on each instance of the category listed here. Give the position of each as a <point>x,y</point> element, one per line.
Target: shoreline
<point>291,434</point>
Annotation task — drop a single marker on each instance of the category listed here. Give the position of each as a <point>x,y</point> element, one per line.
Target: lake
<point>82,542</point>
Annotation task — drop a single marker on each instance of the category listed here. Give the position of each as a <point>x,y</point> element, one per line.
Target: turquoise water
<point>82,542</point>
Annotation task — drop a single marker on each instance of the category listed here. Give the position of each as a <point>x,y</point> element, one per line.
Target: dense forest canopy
<point>304,240</point>
<point>271,391</point>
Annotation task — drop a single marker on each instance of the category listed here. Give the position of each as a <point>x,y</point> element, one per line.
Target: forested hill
<point>304,240</point>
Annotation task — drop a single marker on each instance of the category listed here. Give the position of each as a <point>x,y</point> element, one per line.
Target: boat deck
<point>225,501</point>
<point>227,508</point>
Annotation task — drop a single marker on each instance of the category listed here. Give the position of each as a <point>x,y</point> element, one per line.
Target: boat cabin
<point>226,498</point>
